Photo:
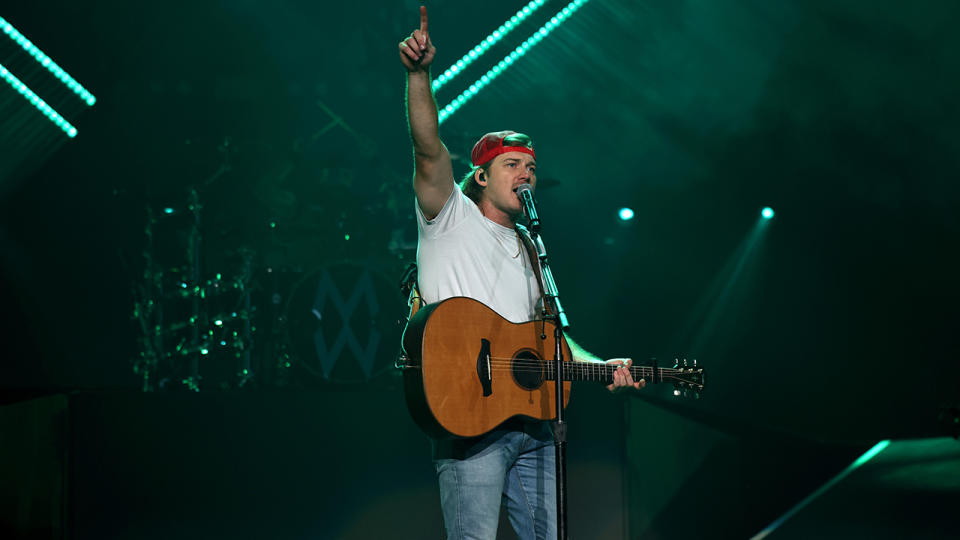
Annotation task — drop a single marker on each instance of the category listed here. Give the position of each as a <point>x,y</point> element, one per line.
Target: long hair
<point>469,185</point>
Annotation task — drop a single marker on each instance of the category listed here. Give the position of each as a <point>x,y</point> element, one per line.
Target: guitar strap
<point>535,263</point>
<point>411,289</point>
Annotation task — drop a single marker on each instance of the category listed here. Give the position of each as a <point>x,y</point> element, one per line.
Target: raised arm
<point>433,172</point>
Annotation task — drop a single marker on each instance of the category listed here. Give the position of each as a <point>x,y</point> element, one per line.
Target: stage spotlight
<point>625,214</point>
<point>767,212</point>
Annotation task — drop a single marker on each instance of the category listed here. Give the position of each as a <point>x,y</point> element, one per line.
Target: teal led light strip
<point>35,100</point>
<point>47,62</point>
<point>521,50</point>
<point>490,40</point>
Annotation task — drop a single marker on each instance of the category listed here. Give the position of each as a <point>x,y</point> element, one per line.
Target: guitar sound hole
<point>528,370</point>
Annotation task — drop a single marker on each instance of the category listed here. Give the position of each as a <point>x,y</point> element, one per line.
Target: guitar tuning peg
<point>684,362</point>
<point>676,391</point>
<point>694,362</point>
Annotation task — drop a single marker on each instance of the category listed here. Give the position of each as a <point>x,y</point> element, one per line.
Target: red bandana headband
<point>491,146</point>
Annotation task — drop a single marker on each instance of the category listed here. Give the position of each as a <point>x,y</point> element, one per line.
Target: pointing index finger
<point>423,19</point>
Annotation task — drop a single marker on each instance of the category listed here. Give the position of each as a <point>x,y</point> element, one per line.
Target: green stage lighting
<point>521,50</point>
<point>867,456</point>
<point>47,62</point>
<point>625,214</point>
<point>486,43</point>
<point>37,102</point>
<point>767,212</point>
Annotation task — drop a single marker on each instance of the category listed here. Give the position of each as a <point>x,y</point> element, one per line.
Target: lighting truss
<point>486,43</point>
<point>508,60</point>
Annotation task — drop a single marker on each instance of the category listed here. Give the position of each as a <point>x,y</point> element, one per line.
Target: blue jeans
<point>512,467</point>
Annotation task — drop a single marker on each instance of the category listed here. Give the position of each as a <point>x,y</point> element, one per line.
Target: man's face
<point>506,173</point>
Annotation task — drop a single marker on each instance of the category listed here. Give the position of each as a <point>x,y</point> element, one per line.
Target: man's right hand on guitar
<point>417,51</point>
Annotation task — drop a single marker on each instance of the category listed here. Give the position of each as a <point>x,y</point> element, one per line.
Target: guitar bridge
<point>484,371</point>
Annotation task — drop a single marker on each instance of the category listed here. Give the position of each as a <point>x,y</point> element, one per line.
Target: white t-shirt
<point>462,253</point>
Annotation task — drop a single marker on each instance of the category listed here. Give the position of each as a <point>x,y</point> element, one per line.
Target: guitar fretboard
<point>595,371</point>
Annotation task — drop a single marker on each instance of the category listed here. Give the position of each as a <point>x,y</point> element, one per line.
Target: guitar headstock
<point>688,378</point>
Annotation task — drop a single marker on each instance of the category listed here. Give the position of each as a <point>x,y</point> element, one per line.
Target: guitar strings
<point>534,361</point>
<point>510,367</point>
<point>586,374</point>
<point>607,378</point>
<point>606,370</point>
<point>502,364</point>
<point>580,366</point>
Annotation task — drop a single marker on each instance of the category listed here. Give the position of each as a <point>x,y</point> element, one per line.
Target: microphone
<point>525,193</point>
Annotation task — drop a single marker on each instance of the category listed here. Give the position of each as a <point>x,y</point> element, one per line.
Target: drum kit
<point>284,290</point>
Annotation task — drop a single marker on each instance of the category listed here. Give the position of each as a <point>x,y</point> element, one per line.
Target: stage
<point>209,212</point>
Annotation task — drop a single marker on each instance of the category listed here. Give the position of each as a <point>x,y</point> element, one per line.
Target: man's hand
<point>417,51</point>
<point>622,378</point>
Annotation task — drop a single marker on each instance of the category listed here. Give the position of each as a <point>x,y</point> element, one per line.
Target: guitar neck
<point>603,373</point>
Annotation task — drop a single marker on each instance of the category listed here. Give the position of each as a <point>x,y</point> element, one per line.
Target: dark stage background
<point>833,325</point>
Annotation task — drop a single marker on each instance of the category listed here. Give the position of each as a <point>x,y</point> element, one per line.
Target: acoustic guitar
<point>467,369</point>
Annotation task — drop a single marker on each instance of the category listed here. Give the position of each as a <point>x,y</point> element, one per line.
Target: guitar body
<point>470,369</point>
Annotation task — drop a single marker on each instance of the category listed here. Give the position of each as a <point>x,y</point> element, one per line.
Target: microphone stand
<point>559,317</point>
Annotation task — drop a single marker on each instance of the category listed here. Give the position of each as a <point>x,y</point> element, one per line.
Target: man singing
<point>471,245</point>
